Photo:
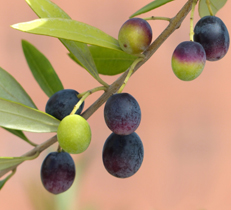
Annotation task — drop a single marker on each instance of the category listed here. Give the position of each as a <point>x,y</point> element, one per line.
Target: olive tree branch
<point>174,24</point>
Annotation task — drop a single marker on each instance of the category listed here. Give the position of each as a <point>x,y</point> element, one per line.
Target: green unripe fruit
<point>135,36</point>
<point>74,134</point>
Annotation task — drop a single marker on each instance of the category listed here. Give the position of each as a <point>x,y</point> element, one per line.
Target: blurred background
<point>185,126</point>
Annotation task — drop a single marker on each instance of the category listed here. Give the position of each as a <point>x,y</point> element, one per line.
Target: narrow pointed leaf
<point>21,135</point>
<point>18,133</point>
<point>3,182</point>
<point>41,69</point>
<point>7,162</point>
<point>11,90</point>
<point>19,117</point>
<point>81,53</point>
<point>216,5</point>
<point>69,29</point>
<point>151,6</point>
<point>47,9</point>
<point>109,62</point>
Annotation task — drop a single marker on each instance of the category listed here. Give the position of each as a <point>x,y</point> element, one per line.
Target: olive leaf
<point>216,5</point>
<point>19,117</point>
<point>109,62</point>
<point>47,9</point>
<point>70,30</point>
<point>41,69</point>
<point>151,6</point>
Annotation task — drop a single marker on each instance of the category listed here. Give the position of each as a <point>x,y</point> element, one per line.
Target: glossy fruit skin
<point>135,35</point>
<point>188,60</point>
<point>123,155</point>
<point>212,34</point>
<point>122,113</point>
<point>74,134</point>
<point>62,103</point>
<point>57,172</point>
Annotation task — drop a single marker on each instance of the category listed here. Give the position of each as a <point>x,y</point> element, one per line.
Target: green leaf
<point>109,62</point>
<point>216,5</point>
<point>8,162</point>
<point>3,182</point>
<point>69,29</point>
<point>47,9</point>
<point>11,90</point>
<point>21,135</point>
<point>19,117</point>
<point>18,133</point>
<point>82,54</point>
<point>41,69</point>
<point>153,5</point>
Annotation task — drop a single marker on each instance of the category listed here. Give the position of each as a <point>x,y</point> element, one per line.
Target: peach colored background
<point>185,128</point>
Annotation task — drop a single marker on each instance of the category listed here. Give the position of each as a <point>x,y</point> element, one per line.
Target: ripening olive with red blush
<point>188,60</point>
<point>135,36</point>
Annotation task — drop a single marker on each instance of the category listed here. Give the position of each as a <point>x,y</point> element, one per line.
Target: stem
<point>59,149</point>
<point>114,87</point>
<point>102,82</point>
<point>84,96</point>
<point>76,107</point>
<point>31,143</point>
<point>129,73</point>
<point>80,95</point>
<point>191,20</point>
<point>157,18</point>
<point>209,7</point>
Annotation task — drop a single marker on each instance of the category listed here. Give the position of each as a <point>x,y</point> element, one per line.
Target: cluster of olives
<point>74,137</point>
<point>211,42</point>
<point>123,150</point>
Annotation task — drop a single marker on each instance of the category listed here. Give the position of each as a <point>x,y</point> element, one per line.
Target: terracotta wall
<point>185,126</point>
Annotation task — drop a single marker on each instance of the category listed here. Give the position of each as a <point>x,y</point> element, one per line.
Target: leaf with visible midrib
<point>19,117</point>
<point>109,62</point>
<point>8,162</point>
<point>41,69</point>
<point>47,9</point>
<point>21,135</point>
<point>151,6</point>
<point>216,5</point>
<point>70,30</point>
<point>11,90</point>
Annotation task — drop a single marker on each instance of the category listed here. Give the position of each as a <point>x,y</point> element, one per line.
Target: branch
<point>174,24</point>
